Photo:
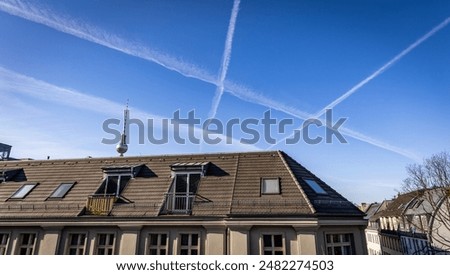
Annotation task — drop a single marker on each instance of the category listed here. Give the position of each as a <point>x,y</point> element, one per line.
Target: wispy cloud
<point>44,16</point>
<point>12,82</point>
<point>386,66</point>
<point>38,14</point>
<point>225,60</point>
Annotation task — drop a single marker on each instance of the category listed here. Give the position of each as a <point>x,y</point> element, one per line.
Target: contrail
<point>380,144</point>
<point>93,34</point>
<point>384,67</point>
<point>84,31</point>
<point>225,60</point>
<point>11,81</point>
<point>362,137</point>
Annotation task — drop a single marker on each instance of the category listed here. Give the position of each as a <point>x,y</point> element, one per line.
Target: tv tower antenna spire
<point>122,147</point>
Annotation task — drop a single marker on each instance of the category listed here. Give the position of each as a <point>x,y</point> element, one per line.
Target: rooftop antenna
<point>122,147</point>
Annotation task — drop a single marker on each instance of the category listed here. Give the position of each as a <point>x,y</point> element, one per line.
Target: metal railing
<point>100,205</point>
<point>178,203</point>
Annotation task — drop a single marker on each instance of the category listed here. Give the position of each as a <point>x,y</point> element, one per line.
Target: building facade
<point>231,203</point>
<point>415,223</point>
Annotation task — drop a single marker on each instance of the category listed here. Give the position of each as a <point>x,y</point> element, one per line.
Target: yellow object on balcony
<point>100,205</point>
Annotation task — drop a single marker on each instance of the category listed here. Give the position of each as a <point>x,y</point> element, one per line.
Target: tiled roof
<point>230,187</point>
<point>398,205</point>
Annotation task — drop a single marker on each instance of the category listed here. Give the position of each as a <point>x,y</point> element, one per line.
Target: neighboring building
<point>230,203</point>
<point>372,236</point>
<point>415,223</point>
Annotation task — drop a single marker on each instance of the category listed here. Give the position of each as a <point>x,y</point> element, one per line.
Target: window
<point>340,244</point>
<point>315,186</point>
<point>182,192</point>
<point>4,238</point>
<point>27,242</point>
<point>76,244</point>
<point>113,185</point>
<point>270,186</point>
<point>23,191</point>
<point>189,244</point>
<point>105,244</point>
<point>61,191</point>
<point>157,244</point>
<point>273,244</point>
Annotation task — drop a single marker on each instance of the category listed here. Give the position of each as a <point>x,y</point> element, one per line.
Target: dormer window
<point>110,191</point>
<point>9,174</point>
<point>182,192</point>
<point>116,179</point>
<point>113,185</point>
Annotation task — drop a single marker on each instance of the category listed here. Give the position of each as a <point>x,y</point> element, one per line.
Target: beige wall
<point>214,239</point>
<point>358,235</point>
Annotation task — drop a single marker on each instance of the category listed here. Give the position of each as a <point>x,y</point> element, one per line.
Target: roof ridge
<point>281,155</point>
<point>143,156</point>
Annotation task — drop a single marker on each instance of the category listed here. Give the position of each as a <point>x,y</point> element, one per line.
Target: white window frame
<point>78,246</point>
<point>4,246</point>
<point>158,246</point>
<point>30,248</point>
<point>189,246</point>
<point>341,243</point>
<point>263,182</point>
<point>173,195</point>
<point>273,248</point>
<point>105,246</point>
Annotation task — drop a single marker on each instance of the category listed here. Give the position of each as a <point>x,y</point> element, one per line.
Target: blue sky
<point>67,66</point>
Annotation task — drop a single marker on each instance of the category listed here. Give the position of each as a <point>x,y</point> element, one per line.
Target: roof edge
<point>281,155</point>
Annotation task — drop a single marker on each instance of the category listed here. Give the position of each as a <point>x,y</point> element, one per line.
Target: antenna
<point>122,147</point>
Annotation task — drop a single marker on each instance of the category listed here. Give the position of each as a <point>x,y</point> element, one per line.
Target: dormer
<point>110,191</point>
<point>9,174</point>
<point>183,190</point>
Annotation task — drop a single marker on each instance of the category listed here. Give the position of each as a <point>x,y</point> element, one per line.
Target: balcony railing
<point>178,203</point>
<point>100,205</point>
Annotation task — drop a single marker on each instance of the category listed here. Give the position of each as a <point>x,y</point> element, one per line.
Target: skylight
<point>23,191</point>
<point>315,186</point>
<point>62,190</point>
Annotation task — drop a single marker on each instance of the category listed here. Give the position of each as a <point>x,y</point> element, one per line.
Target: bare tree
<point>431,183</point>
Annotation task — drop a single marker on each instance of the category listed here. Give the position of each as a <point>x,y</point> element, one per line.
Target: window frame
<point>340,244</point>
<point>20,244</point>
<point>4,246</point>
<point>12,197</point>
<point>52,197</point>
<point>262,181</point>
<point>174,205</point>
<point>105,183</point>
<point>189,246</point>
<point>69,246</point>
<point>105,246</point>
<point>272,248</point>
<point>158,246</point>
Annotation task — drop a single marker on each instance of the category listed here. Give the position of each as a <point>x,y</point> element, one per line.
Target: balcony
<point>178,203</point>
<point>100,205</point>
